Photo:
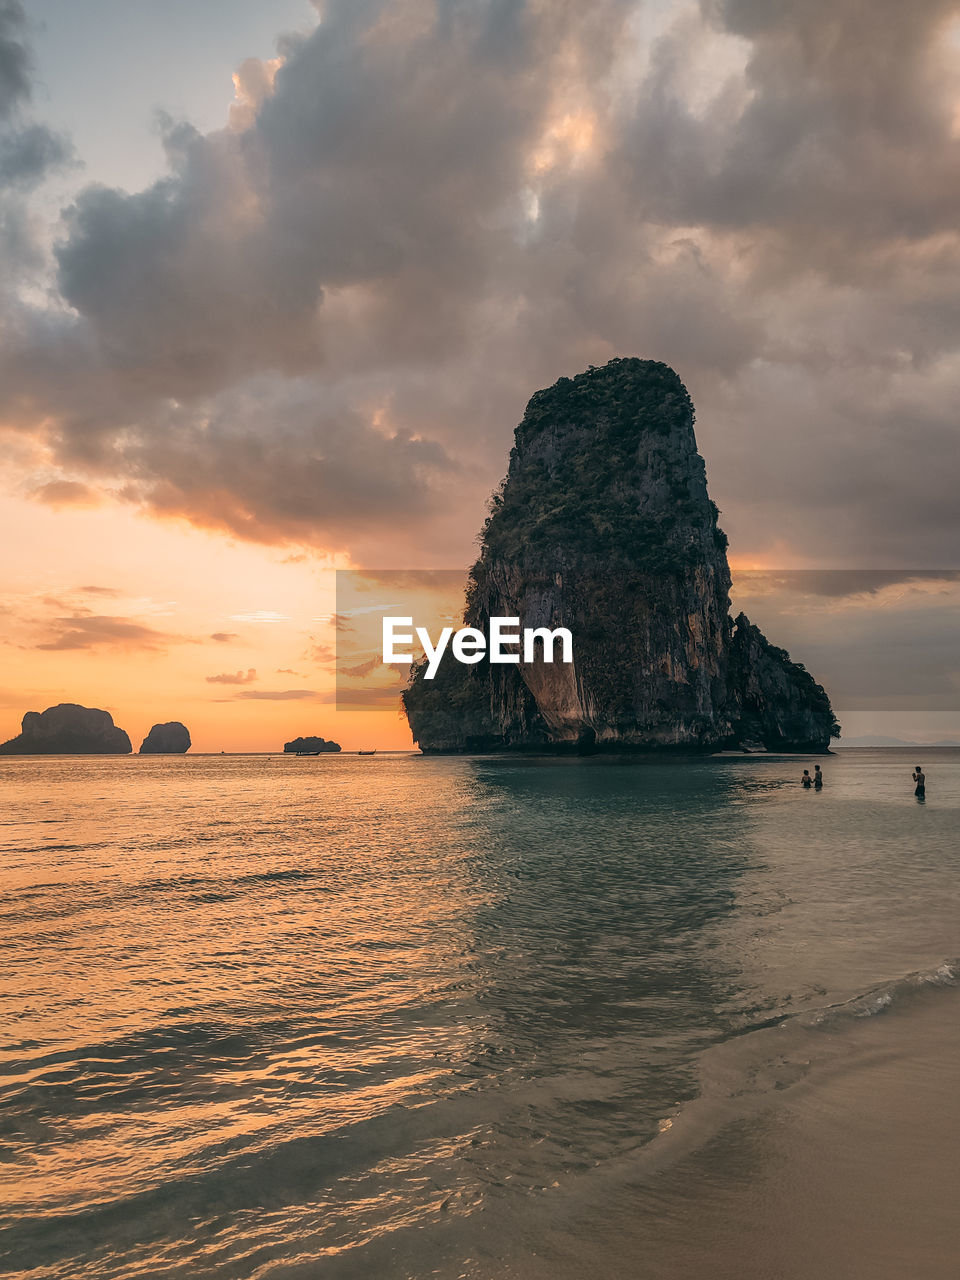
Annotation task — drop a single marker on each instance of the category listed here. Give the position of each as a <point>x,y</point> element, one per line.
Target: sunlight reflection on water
<point>262,1010</point>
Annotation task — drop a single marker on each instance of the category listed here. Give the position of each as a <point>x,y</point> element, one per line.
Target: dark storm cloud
<point>324,322</point>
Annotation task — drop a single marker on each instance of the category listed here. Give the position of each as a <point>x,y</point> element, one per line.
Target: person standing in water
<point>806,781</point>
<point>817,778</point>
<point>920,779</point>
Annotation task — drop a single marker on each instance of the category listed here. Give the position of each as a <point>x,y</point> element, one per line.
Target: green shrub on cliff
<point>586,497</point>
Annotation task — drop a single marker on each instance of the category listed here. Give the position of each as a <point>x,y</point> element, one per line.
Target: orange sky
<point>112,609</point>
<point>237,333</point>
<point>156,620</point>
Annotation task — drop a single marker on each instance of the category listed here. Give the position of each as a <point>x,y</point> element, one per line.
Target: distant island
<point>68,729</point>
<point>310,746</point>
<point>604,526</point>
<point>170,739</point>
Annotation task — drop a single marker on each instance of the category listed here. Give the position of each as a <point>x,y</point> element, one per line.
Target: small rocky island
<point>603,525</point>
<point>310,746</point>
<point>170,739</point>
<point>68,729</point>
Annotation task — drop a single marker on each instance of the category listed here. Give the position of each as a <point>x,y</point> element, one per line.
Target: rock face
<point>604,526</point>
<point>304,746</point>
<point>68,729</point>
<point>780,703</point>
<point>170,739</point>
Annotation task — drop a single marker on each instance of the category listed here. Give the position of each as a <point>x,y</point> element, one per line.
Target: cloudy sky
<point>277,279</point>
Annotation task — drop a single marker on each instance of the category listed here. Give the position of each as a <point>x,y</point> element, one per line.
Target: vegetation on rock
<point>569,481</point>
<point>68,729</point>
<point>310,745</point>
<point>172,738</point>
<point>604,525</point>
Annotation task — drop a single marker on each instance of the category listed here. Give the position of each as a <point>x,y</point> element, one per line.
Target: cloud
<point>86,631</point>
<point>836,583</point>
<point>223,637</point>
<point>832,143</point>
<point>28,150</point>
<point>909,663</point>
<point>238,677</point>
<point>312,271</point>
<point>14,58</point>
<point>29,153</point>
<point>278,695</point>
<point>260,615</point>
<point>67,493</point>
<point>361,668</point>
<point>322,655</point>
<point>365,698</point>
<point>322,323</point>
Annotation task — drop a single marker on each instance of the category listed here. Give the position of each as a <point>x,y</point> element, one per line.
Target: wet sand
<point>842,1169</point>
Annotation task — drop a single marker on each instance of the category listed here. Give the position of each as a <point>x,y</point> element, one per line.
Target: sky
<point>277,280</point>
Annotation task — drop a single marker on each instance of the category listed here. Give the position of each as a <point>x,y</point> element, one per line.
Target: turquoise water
<point>395,1016</point>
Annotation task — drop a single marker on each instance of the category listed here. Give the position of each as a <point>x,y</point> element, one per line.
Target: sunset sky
<point>277,280</point>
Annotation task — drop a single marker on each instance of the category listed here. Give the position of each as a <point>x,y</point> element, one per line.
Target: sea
<point>284,1018</point>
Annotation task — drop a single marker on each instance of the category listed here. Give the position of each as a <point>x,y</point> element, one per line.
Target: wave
<point>884,996</point>
<point>363,1177</point>
<point>750,1070</point>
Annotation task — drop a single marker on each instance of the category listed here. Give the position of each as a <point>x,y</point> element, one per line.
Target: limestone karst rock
<point>780,703</point>
<point>170,739</point>
<point>68,729</point>
<point>604,526</point>
<point>310,746</point>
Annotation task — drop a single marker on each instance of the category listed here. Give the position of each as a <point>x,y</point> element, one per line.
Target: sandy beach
<point>849,1172</point>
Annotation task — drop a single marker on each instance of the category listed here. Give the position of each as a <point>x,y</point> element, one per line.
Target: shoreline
<point>844,1166</point>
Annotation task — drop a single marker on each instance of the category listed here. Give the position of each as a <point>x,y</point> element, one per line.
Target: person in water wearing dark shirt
<point>817,777</point>
<point>806,781</point>
<point>920,779</point>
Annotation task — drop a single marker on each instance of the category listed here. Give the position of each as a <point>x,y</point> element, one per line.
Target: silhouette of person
<point>806,781</point>
<point>817,777</point>
<point>920,779</point>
